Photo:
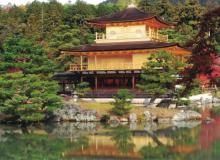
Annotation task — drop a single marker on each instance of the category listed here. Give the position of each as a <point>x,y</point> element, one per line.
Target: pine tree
<point>28,98</point>
<point>26,90</point>
<point>160,73</point>
<point>22,54</point>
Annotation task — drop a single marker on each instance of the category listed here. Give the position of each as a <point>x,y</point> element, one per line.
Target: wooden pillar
<point>157,34</point>
<point>96,82</point>
<point>63,87</point>
<point>95,62</point>
<point>150,33</point>
<point>133,82</point>
<point>81,62</point>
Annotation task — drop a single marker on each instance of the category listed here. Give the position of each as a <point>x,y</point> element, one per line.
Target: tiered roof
<point>130,15</point>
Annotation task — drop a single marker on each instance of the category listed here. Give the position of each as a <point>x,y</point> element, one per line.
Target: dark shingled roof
<point>128,15</point>
<point>120,46</point>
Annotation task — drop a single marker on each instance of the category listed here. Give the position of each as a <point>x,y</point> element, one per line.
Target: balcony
<point>128,37</point>
<point>78,67</point>
<point>120,66</point>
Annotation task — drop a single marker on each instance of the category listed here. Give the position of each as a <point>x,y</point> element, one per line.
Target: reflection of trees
<point>159,152</point>
<point>213,153</point>
<point>122,137</point>
<point>154,137</point>
<point>186,136</point>
<point>36,147</point>
<point>184,139</point>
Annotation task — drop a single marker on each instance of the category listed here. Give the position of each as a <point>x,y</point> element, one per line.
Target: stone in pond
<point>133,117</point>
<point>187,115</point>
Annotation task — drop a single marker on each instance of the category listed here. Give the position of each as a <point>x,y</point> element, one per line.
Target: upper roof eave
<point>128,15</point>
<point>95,22</point>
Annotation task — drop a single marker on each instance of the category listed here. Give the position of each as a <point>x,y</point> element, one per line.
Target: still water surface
<point>73,141</point>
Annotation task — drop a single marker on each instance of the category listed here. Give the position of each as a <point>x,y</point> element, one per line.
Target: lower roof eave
<point>77,74</point>
<point>122,46</point>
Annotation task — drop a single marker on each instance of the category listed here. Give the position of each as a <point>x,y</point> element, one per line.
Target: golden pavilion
<point>115,60</point>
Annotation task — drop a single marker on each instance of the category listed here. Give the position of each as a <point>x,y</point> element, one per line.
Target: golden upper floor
<point>130,34</point>
<point>130,25</point>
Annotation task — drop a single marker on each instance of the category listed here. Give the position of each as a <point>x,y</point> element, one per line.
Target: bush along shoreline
<point>126,112</point>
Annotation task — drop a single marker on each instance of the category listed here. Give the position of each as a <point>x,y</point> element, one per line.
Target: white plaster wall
<point>125,33</point>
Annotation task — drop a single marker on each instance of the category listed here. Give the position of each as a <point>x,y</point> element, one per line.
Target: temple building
<point>115,60</point>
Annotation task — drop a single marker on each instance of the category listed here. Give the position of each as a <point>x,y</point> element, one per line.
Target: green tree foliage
<point>36,146</point>
<point>162,8</point>
<point>28,98</point>
<point>82,88</point>
<point>43,18</point>
<point>190,13</point>
<point>187,14</point>
<point>12,22</point>
<point>177,37</point>
<point>160,73</point>
<point>106,9</point>
<point>28,95</point>
<point>34,20</point>
<point>64,36</point>
<point>23,54</point>
<point>204,57</point>
<point>147,6</point>
<point>122,137</point>
<point>78,13</point>
<point>122,104</point>
<point>150,152</point>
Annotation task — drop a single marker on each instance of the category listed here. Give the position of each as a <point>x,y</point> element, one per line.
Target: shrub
<point>122,104</point>
<point>82,88</point>
<point>215,111</point>
<point>183,102</point>
<point>195,88</point>
<point>105,118</point>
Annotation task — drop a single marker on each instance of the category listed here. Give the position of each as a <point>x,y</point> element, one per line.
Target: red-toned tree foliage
<point>205,60</point>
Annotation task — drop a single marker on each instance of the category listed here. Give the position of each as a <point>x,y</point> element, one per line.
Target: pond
<point>71,141</point>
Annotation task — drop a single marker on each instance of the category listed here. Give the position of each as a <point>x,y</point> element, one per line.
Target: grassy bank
<point>105,108</point>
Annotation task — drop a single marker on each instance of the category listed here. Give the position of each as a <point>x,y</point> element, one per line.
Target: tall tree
<point>147,6</point>
<point>26,90</point>
<point>104,9</point>
<point>12,22</point>
<point>35,25</point>
<point>43,18</point>
<point>204,56</point>
<point>64,36</point>
<point>189,13</point>
<point>160,73</point>
<point>22,54</point>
